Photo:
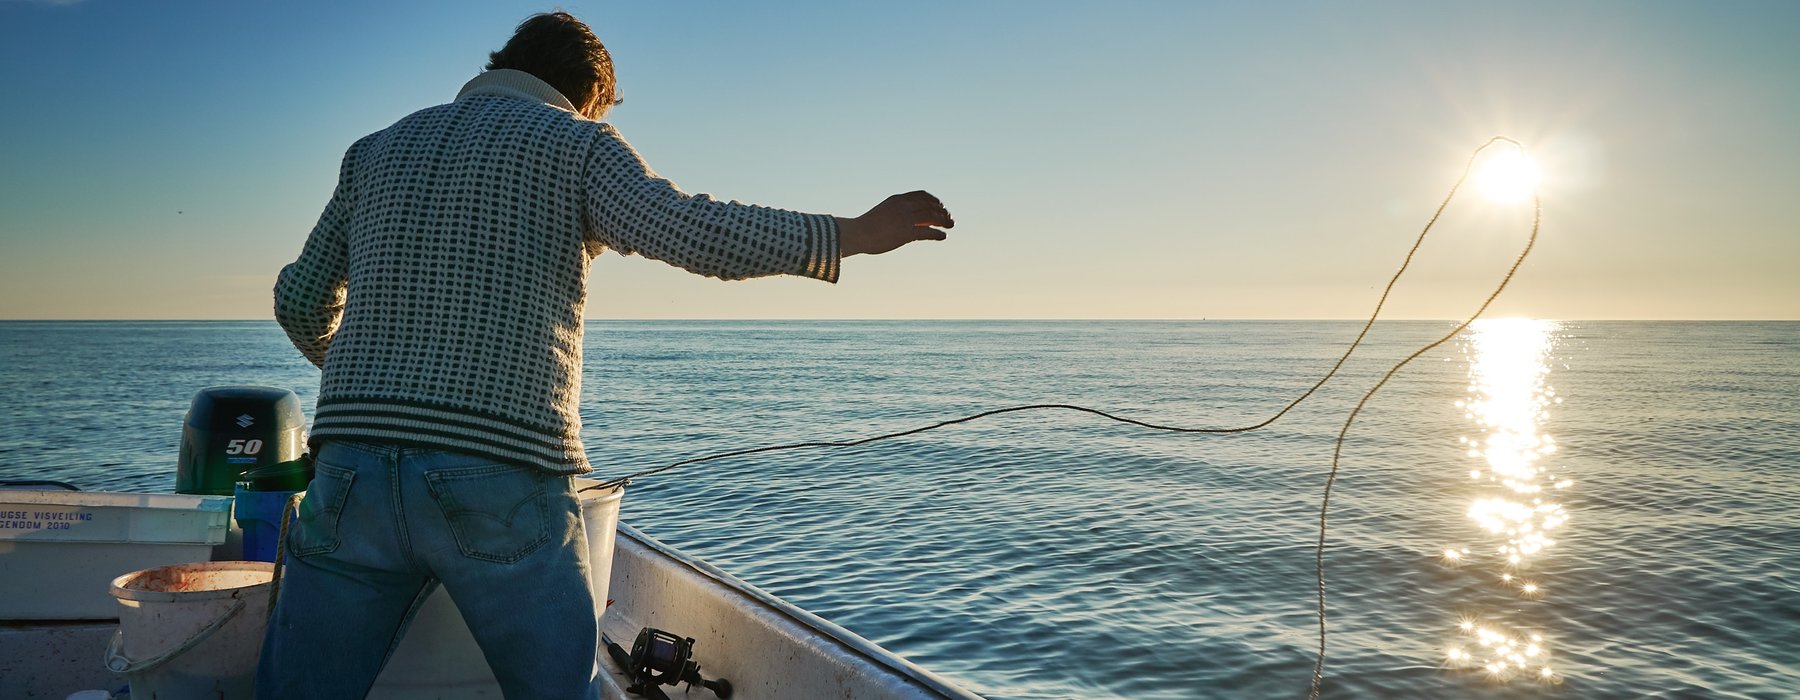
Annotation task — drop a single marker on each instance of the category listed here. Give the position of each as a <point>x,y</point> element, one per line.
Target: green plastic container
<point>292,475</point>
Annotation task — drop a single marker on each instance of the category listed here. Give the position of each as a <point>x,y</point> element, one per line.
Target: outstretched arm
<point>632,210</point>
<point>635,212</point>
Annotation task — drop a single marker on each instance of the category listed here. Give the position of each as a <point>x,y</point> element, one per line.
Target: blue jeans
<point>382,526</point>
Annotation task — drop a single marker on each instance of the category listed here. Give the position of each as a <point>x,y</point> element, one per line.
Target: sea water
<point>1535,509</point>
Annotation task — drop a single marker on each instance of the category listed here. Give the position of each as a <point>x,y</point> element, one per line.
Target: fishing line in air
<point>1318,673</point>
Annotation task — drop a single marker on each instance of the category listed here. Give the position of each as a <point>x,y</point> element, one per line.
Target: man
<point>441,292</point>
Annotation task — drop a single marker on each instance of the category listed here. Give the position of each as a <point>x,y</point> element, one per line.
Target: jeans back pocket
<point>498,513</point>
<point>315,526</point>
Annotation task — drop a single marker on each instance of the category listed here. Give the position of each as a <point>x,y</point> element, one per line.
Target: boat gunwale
<point>849,640</point>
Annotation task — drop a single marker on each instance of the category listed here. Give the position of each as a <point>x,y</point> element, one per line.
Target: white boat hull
<point>766,647</point>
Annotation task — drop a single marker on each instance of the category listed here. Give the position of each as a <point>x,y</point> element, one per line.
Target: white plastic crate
<point>59,550</point>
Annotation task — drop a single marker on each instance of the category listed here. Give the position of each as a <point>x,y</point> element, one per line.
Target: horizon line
<point>986,319</point>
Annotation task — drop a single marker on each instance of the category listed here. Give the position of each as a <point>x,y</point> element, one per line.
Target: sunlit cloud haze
<point>1103,160</point>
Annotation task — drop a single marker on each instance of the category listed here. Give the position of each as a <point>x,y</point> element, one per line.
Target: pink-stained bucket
<point>191,630</point>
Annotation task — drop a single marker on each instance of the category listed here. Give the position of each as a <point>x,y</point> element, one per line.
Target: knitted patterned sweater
<point>441,290</point>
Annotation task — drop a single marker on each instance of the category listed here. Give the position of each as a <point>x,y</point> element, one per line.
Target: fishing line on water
<point>1318,674</point>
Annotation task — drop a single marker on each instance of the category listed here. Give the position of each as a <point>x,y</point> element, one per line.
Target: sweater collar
<point>516,83</point>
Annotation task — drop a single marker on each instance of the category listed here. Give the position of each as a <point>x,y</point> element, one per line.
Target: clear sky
<point>1102,159</point>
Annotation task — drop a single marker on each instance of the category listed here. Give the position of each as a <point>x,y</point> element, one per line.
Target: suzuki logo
<point>244,421</point>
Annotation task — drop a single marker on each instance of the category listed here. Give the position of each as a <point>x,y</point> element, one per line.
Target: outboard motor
<point>233,429</point>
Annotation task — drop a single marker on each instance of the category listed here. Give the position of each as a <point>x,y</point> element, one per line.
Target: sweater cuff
<point>822,262</point>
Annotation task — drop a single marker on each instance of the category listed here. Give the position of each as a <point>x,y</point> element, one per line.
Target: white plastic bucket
<point>439,659</point>
<point>191,630</point>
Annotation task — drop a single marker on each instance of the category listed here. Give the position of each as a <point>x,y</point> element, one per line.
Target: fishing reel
<point>659,658</point>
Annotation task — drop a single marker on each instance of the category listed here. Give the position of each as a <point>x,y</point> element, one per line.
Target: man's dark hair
<point>562,51</point>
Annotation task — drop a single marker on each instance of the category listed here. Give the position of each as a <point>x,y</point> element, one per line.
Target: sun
<point>1508,176</point>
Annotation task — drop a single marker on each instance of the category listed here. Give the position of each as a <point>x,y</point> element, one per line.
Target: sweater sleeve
<point>631,210</point>
<point>309,293</point>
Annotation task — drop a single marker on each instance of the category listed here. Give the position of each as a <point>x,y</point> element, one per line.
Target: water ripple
<point>1055,555</point>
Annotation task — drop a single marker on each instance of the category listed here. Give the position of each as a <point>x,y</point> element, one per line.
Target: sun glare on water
<point>1514,507</point>
<point>1508,176</point>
